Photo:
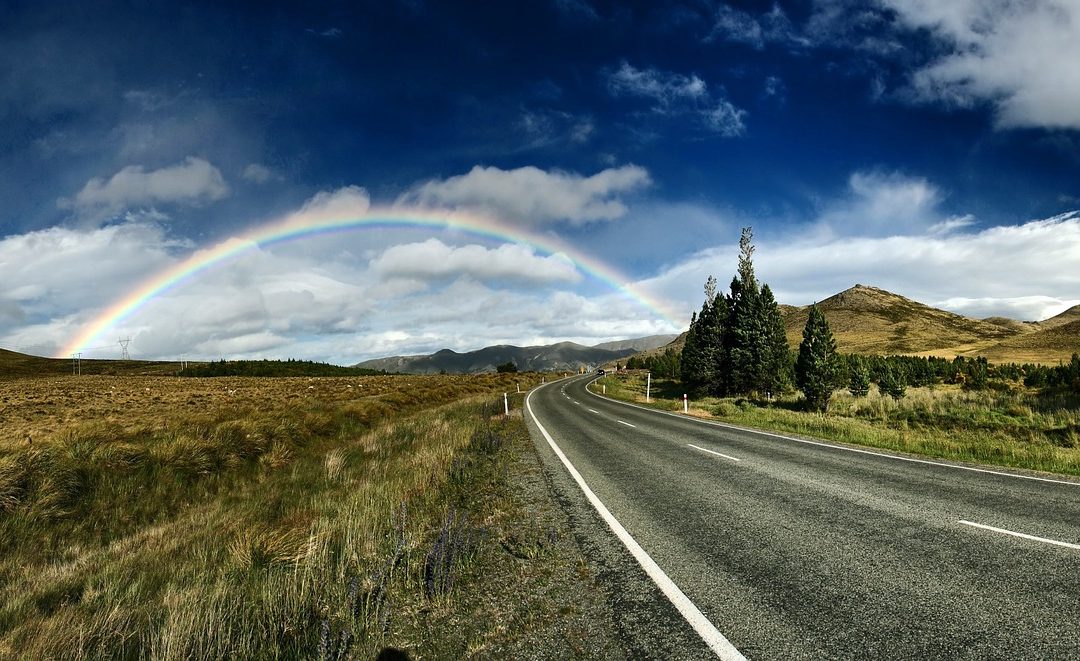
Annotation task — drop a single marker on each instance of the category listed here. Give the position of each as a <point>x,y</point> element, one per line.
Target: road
<point>796,550</point>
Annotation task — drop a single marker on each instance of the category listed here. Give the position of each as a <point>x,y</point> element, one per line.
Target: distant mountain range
<point>562,356</point>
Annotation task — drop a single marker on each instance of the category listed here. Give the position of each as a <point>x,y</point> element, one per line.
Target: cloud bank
<point>534,197</point>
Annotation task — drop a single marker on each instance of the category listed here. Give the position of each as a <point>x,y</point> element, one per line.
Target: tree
<point>509,366</point>
<point>893,383</point>
<point>737,343</point>
<point>859,384</point>
<point>777,358</point>
<point>816,366</point>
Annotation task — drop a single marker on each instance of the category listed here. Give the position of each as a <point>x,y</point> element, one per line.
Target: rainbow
<point>307,224</point>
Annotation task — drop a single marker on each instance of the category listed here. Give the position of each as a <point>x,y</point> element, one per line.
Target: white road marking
<point>594,411</point>
<point>1020,534</point>
<point>719,454</point>
<point>837,447</point>
<point>626,423</point>
<point>693,615</point>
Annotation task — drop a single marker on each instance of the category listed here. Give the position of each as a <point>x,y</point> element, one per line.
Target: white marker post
<point>685,404</point>
<point>605,388</point>
<point>648,385</point>
<point>506,404</point>
<point>518,386</point>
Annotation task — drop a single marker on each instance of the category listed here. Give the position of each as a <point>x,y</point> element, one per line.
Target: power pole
<point>76,364</point>
<point>124,342</point>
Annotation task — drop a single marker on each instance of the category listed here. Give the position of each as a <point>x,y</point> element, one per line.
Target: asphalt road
<point>795,550</point>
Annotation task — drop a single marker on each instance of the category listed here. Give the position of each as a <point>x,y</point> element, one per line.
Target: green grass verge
<point>1014,429</point>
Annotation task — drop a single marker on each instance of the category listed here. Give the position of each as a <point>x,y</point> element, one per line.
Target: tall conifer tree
<point>816,368</point>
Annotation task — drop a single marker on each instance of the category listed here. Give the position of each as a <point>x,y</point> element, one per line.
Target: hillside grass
<point>1015,429</point>
<point>328,525</point>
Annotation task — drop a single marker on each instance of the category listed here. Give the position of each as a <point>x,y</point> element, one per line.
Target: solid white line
<point>701,624</point>
<point>835,447</point>
<point>719,454</point>
<point>621,422</point>
<point>1020,534</point>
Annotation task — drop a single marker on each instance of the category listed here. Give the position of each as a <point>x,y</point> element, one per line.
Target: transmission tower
<point>124,342</point>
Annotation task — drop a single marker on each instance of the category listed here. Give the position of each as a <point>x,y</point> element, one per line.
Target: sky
<point>608,152</point>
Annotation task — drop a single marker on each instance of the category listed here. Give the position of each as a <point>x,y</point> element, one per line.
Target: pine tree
<point>893,382</point>
<point>859,384</point>
<point>816,368</point>
<point>777,368</point>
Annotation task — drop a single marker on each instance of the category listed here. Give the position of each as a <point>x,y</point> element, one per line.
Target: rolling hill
<point>15,365</point>
<point>869,320</point>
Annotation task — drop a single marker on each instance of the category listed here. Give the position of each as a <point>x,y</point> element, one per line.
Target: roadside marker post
<point>685,404</point>
<point>648,385</point>
<point>506,404</point>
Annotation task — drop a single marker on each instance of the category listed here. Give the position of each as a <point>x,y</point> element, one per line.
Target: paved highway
<point>789,549</point>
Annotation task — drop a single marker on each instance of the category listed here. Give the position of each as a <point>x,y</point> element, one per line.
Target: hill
<point>870,320</point>
<point>561,356</point>
<point>1069,316</point>
<point>16,365</point>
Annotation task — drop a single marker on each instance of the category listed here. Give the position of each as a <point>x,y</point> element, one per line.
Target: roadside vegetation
<point>735,366</point>
<point>297,518</point>
<point>1018,427</point>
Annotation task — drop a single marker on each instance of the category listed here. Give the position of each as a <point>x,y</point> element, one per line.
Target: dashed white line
<point>621,422</point>
<point>693,615</point>
<point>719,454</point>
<point>594,411</point>
<point>1022,535</point>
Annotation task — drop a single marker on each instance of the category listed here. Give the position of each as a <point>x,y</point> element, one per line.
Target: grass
<point>1016,428</point>
<point>330,524</point>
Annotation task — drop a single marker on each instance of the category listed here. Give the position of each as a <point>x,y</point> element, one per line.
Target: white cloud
<point>345,201</point>
<point>257,173</point>
<point>194,181</point>
<point>1028,271</point>
<point>732,24</point>
<point>533,196</point>
<point>879,202</point>
<point>1018,55</point>
<point>678,94</point>
<point>433,259</point>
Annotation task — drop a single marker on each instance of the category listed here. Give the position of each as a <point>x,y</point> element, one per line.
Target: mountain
<point>561,356</point>
<point>637,344</point>
<point>870,320</point>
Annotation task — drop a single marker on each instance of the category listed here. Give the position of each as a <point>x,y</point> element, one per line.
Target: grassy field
<point>282,518</point>
<point>1017,428</point>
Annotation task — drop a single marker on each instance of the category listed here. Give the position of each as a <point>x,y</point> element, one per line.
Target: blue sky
<point>929,148</point>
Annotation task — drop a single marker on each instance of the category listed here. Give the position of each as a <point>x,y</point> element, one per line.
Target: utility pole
<point>124,342</point>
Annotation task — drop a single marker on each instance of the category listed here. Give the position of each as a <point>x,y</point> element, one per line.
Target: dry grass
<point>1015,428</point>
<point>247,518</point>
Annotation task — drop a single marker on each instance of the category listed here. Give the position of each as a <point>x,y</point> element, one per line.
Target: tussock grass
<point>323,525</point>
<point>1015,428</point>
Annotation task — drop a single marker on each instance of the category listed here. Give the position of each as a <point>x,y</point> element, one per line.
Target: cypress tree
<point>815,368</point>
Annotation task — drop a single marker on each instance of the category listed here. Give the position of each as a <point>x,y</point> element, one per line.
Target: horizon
<point>610,153</point>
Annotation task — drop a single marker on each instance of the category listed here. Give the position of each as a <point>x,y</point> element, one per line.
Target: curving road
<point>794,549</point>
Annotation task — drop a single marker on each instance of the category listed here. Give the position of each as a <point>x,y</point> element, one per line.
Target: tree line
<point>288,367</point>
<point>736,346</point>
